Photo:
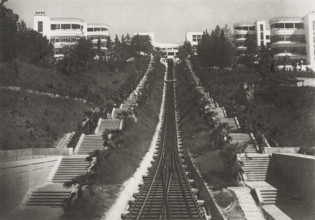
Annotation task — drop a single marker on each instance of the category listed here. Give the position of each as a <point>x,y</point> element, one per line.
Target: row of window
<point>295,50</point>
<point>295,38</point>
<point>251,28</point>
<point>287,26</point>
<point>65,39</point>
<point>196,38</point>
<point>96,37</point>
<point>66,27</point>
<point>96,29</point>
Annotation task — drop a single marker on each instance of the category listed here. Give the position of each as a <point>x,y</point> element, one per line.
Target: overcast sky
<point>168,19</point>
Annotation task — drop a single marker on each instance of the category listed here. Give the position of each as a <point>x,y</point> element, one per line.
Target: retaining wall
<point>17,177</point>
<point>300,169</point>
<point>32,153</point>
<point>204,192</point>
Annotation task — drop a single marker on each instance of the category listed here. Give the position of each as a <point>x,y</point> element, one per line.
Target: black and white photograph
<point>157,109</point>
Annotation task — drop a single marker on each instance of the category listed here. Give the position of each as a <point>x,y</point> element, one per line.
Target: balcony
<point>287,44</point>
<point>286,31</point>
<point>289,56</point>
<point>243,32</point>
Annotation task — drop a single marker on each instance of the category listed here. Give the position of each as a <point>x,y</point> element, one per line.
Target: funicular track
<point>166,192</point>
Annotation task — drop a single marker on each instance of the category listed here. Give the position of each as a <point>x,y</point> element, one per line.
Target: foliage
<point>216,49</point>
<point>185,50</point>
<point>19,43</point>
<point>77,57</point>
<point>229,155</point>
<point>141,44</point>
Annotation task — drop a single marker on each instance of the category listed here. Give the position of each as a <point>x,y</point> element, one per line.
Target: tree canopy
<point>216,49</point>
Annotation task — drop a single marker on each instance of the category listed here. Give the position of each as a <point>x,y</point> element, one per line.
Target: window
<point>261,27</point>
<point>261,42</point>
<point>288,25</point>
<point>40,26</point>
<point>97,29</point>
<point>54,26</point>
<point>76,26</point>
<point>261,36</point>
<point>299,25</point>
<point>267,37</point>
<point>90,29</point>
<point>103,29</point>
<point>65,26</point>
<point>313,25</point>
<point>252,28</point>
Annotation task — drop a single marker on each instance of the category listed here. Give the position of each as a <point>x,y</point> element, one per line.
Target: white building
<point>194,38</point>
<point>257,30</point>
<point>292,40</point>
<point>167,50</point>
<point>67,31</point>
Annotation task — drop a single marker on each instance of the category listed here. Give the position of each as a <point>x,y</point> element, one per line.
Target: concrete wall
<point>300,169</point>
<point>204,191</point>
<point>17,177</point>
<point>32,153</point>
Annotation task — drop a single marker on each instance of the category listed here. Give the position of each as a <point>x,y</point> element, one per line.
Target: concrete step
<point>48,198</point>
<point>69,168</point>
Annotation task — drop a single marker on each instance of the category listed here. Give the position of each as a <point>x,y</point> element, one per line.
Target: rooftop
<point>68,19</point>
<point>97,25</point>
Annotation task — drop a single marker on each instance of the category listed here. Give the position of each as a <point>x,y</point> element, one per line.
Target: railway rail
<point>166,192</point>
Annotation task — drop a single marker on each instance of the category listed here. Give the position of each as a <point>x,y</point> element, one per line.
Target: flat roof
<point>68,19</point>
<point>97,25</point>
<point>279,19</point>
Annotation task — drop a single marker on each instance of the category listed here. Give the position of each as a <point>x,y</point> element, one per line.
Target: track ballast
<point>166,192</point>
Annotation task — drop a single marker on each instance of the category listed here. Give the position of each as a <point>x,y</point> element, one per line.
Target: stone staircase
<point>256,166</point>
<point>264,178</point>
<point>271,196</point>
<point>250,149</point>
<point>91,143</point>
<point>48,198</point>
<point>69,168</point>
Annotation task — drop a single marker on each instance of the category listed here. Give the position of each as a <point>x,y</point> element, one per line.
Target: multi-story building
<point>194,38</point>
<point>292,40</point>
<point>167,50</point>
<point>97,32</point>
<point>67,31</point>
<point>256,30</point>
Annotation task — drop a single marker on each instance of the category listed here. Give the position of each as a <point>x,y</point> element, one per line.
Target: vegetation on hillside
<point>103,78</point>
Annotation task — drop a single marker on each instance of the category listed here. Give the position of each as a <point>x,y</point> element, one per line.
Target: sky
<point>168,19</point>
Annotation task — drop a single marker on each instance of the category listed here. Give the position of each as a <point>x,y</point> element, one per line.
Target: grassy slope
<point>29,121</point>
<point>287,110</point>
<point>39,121</point>
<point>195,136</point>
<point>95,85</point>
<point>123,161</point>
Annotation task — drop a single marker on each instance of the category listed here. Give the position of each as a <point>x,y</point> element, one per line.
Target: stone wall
<point>300,169</point>
<point>32,153</point>
<point>18,177</point>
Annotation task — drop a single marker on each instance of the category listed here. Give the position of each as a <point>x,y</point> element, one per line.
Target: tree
<point>84,53</point>
<point>251,50</point>
<point>217,48</point>
<point>141,44</point>
<point>185,50</point>
<point>265,62</point>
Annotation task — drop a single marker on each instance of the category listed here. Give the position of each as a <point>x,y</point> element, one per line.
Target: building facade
<point>67,31</point>
<point>194,38</point>
<point>256,30</point>
<point>292,40</point>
